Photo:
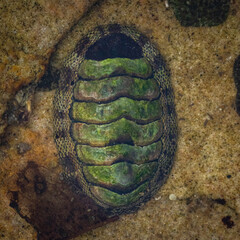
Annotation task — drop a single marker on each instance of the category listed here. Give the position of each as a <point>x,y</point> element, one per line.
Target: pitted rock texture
<point>29,32</point>
<point>201,196</point>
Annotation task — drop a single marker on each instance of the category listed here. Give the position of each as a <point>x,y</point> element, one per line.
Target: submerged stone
<point>199,13</point>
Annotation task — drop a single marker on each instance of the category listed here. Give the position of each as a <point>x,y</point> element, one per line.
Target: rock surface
<point>28,34</point>
<point>201,197</point>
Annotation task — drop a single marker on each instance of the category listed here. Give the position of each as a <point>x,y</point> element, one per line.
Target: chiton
<point>114,118</point>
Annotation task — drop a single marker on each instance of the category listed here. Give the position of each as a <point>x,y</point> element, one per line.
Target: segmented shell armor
<point>114,118</point>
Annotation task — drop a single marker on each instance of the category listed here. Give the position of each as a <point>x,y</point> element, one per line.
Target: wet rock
<point>29,32</point>
<point>47,203</point>
<point>200,13</point>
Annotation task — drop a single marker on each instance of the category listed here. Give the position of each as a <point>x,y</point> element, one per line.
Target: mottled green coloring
<point>122,176</point>
<point>120,131</point>
<point>91,69</point>
<point>115,87</point>
<point>117,200</point>
<point>141,111</point>
<point>110,154</point>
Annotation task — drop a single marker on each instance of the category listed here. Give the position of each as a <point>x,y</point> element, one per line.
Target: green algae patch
<point>122,176</point>
<point>116,200</point>
<point>112,88</point>
<point>92,69</point>
<point>121,131</point>
<point>139,111</point>
<point>110,154</point>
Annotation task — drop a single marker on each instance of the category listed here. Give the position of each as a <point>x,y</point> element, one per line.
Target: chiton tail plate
<point>114,118</point>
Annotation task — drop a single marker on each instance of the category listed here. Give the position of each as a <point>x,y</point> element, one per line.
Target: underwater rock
<point>199,13</point>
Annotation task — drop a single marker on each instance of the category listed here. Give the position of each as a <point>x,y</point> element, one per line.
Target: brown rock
<point>49,204</point>
<point>28,34</point>
<point>205,177</point>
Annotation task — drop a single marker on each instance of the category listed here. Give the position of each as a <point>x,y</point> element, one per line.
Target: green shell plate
<point>114,118</point>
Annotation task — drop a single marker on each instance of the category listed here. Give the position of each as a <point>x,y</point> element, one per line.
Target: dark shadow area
<point>115,45</point>
<point>51,207</point>
<point>198,13</point>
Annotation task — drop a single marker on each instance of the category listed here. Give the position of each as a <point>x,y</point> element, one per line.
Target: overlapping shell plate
<point>115,121</point>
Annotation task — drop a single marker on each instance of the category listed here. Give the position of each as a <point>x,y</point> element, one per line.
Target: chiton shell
<point>114,118</point>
